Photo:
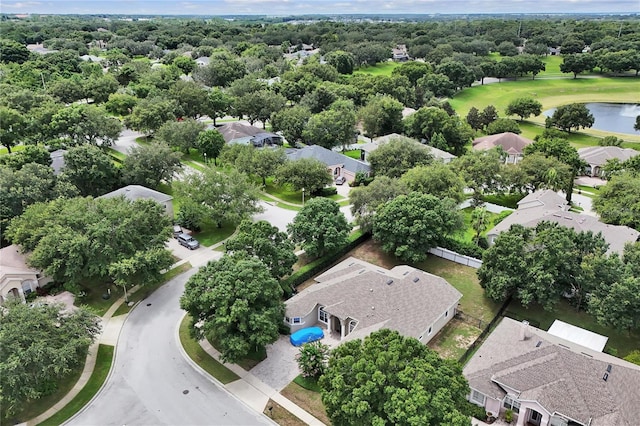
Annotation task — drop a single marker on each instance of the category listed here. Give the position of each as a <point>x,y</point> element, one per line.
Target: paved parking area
<point>179,251</point>
<point>280,367</point>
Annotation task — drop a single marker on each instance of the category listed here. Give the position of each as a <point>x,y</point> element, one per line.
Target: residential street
<point>151,382</point>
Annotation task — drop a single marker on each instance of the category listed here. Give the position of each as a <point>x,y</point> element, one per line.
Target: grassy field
<point>621,341</point>
<point>454,339</point>
<point>551,93</point>
<point>17,148</point>
<point>97,379</point>
<point>202,358</point>
<point>383,68</point>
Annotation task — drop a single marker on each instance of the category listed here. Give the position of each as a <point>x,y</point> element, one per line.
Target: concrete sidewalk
<point>255,393</point>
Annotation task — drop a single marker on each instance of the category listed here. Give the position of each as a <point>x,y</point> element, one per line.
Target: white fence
<point>455,257</point>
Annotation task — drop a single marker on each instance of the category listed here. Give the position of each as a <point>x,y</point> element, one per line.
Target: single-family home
<point>91,58</point>
<point>548,206</point>
<point>368,148</point>
<point>355,298</point>
<point>265,138</point>
<point>17,279</point>
<point>399,53</point>
<point>203,61</point>
<point>337,163</point>
<point>512,144</point>
<point>546,379</point>
<point>40,49</point>
<point>597,156</point>
<point>237,132</point>
<point>139,192</point>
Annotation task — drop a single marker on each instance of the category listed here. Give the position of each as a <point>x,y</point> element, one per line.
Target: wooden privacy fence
<point>456,257</point>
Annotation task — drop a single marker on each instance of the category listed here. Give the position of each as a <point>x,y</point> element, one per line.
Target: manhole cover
<point>186,391</point>
<point>148,304</point>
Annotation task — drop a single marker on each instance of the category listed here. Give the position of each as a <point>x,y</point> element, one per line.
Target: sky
<point>301,7</point>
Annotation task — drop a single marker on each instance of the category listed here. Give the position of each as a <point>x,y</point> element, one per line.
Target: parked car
<point>188,241</point>
<point>177,230</point>
<point>340,180</point>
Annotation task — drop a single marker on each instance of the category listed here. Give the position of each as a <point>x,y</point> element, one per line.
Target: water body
<point>618,118</point>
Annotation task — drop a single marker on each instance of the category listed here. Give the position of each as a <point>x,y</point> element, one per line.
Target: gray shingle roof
<point>137,192</point>
<point>598,155</point>
<point>546,198</point>
<point>237,130</point>
<point>360,290</point>
<point>562,376</point>
<point>328,157</point>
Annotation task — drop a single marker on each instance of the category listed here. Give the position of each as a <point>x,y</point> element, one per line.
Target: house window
<point>477,397</point>
<point>511,404</point>
<point>352,325</point>
<point>297,320</point>
<point>323,316</point>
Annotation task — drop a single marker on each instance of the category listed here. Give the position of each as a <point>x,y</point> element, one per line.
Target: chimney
<point>525,333</point>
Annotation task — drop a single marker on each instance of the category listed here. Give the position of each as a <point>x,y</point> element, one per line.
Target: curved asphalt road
<point>150,376</point>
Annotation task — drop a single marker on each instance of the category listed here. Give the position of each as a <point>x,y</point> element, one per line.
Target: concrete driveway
<point>126,141</point>
<point>280,366</point>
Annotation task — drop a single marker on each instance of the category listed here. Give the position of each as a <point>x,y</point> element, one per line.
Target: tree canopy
<point>319,227</point>
<point>150,165</point>
<point>396,157</point>
<point>237,302</point>
<point>307,173</point>
<point>90,170</point>
<point>436,179</point>
<point>366,200</point>
<point>409,225</point>
<point>618,202</point>
<point>390,379</point>
<point>78,239</point>
<point>39,345</point>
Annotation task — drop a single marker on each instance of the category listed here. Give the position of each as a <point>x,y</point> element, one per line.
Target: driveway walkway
<point>126,141</point>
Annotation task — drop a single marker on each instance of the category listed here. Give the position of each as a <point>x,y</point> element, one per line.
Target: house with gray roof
<point>368,148</point>
<point>337,163</point>
<point>545,206</point>
<point>597,156</point>
<point>238,132</point>
<point>139,192</point>
<point>57,160</point>
<point>355,298</point>
<point>547,380</point>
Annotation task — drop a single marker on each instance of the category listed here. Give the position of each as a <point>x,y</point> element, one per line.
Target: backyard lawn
<point>383,68</point>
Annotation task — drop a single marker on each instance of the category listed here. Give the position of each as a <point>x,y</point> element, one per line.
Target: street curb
<point>208,376</point>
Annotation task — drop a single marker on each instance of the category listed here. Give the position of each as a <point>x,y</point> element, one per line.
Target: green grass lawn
<point>354,153</point>
<point>468,232</point>
<point>463,278</point>
<point>551,93</point>
<point>210,234</point>
<point>621,341</point>
<point>505,200</point>
<point>383,68</point>
<point>17,148</point>
<point>97,379</point>
<point>201,357</point>
<point>94,291</point>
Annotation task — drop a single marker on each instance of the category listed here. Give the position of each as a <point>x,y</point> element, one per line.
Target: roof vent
<point>416,279</point>
<point>605,377</point>
<point>371,290</point>
<point>406,273</point>
<point>389,282</point>
<point>373,308</point>
<point>539,343</point>
<point>609,368</point>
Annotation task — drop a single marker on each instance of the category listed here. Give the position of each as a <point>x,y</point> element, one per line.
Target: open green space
<point>92,295</point>
<point>620,343</point>
<point>17,148</point>
<point>201,357</point>
<point>468,233</point>
<point>354,153</point>
<point>100,372</point>
<point>504,200</point>
<point>551,93</point>
<point>383,68</point>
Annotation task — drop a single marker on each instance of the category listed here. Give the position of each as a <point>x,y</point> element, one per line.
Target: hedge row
<point>463,247</point>
<point>314,268</point>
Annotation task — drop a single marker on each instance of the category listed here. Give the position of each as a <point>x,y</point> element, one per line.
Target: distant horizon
<point>280,8</point>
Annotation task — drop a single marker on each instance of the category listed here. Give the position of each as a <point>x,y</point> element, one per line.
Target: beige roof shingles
<point>563,377</point>
<point>510,142</point>
<point>404,299</point>
<point>599,155</point>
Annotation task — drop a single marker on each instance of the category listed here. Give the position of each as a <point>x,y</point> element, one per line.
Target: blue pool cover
<point>306,335</point>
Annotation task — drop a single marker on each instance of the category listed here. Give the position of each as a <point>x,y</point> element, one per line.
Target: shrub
<point>312,359</point>
<point>327,191</point>
<point>508,416</point>
<point>465,248</point>
<point>633,357</point>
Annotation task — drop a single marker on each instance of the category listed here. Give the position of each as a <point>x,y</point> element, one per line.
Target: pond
<point>619,118</point>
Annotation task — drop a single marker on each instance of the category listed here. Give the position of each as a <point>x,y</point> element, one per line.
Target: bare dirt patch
<point>280,415</point>
<point>454,339</point>
<point>370,251</point>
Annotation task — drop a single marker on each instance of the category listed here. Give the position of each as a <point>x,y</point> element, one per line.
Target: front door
<point>534,417</point>
<point>337,327</point>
